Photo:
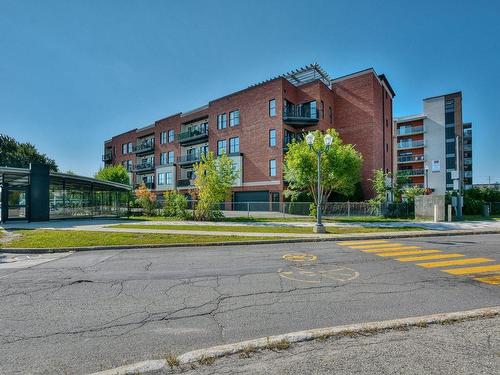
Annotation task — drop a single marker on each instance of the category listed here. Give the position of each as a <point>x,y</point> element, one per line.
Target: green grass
<point>40,238</point>
<point>262,228</point>
<point>481,218</point>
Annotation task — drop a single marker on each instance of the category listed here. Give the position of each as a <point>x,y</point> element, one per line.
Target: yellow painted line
<point>456,262</point>
<point>399,248</point>
<point>300,257</point>
<point>494,280</point>
<point>429,257</point>
<point>415,252</point>
<point>377,246</point>
<point>472,270</point>
<point>348,243</point>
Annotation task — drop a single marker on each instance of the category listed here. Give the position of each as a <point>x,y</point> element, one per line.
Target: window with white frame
<point>124,149</point>
<point>234,145</point>
<point>272,167</point>
<point>221,121</point>
<point>161,179</point>
<point>272,107</point>
<point>130,148</point>
<point>163,158</point>
<point>221,146</point>
<point>234,118</point>
<point>163,138</point>
<point>168,178</point>
<point>171,136</point>
<point>171,158</point>
<point>272,137</point>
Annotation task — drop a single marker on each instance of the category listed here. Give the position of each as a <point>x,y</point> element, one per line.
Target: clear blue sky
<point>73,73</point>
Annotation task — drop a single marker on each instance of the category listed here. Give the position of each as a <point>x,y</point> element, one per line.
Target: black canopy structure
<point>37,194</point>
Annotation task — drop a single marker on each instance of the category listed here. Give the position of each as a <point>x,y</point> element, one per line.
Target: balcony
<point>193,135</point>
<point>468,147</point>
<point>411,172</point>
<point>300,115</point>
<point>468,133</point>
<point>189,159</point>
<point>411,144</point>
<point>149,185</point>
<point>107,157</point>
<point>185,182</point>
<point>468,161</point>
<point>143,147</point>
<point>144,167</point>
<point>409,130</point>
<point>410,158</point>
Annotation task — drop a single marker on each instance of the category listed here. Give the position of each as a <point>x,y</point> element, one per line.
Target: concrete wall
<point>424,207</point>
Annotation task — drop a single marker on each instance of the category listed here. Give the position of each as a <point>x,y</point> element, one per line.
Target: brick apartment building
<point>434,149</point>
<point>253,127</point>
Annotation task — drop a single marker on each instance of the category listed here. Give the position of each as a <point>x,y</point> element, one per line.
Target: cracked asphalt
<point>84,312</point>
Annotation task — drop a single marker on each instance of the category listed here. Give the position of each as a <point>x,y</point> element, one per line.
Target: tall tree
<point>340,167</point>
<point>115,173</point>
<point>20,155</point>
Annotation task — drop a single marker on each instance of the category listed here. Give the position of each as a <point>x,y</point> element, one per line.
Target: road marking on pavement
<point>348,243</point>
<point>376,246</point>
<point>429,257</point>
<point>398,248</point>
<point>473,270</point>
<point>413,252</point>
<point>300,257</point>
<point>494,280</point>
<point>456,262</point>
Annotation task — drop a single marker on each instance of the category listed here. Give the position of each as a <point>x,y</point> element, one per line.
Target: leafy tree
<point>20,155</point>
<point>146,199</point>
<point>412,191</point>
<point>379,187</point>
<point>214,178</point>
<point>175,205</point>
<point>340,167</point>
<point>115,173</point>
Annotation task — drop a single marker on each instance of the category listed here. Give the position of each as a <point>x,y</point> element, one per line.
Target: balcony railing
<point>149,185</point>
<point>468,161</point>
<point>408,130</point>
<point>146,146</point>
<point>190,158</point>
<point>467,133</point>
<point>467,147</point>
<point>300,115</point>
<point>107,157</point>
<point>411,172</point>
<point>144,167</point>
<point>193,135</point>
<point>412,144</point>
<point>185,182</point>
<point>410,158</point>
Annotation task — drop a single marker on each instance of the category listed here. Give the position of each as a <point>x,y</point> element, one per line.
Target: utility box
<point>424,207</point>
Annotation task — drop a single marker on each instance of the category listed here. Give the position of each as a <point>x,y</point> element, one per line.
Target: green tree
<point>340,167</point>
<point>115,173</point>
<point>214,178</point>
<point>146,199</point>
<point>379,187</point>
<point>411,192</point>
<point>20,155</point>
<point>175,205</point>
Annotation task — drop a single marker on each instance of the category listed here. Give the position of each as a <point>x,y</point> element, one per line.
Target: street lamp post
<point>319,227</point>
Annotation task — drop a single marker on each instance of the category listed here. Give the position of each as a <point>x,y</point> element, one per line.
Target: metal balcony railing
<point>410,158</point>
<point>408,130</point>
<point>144,167</point>
<point>412,144</point>
<point>149,185</point>
<point>411,172</point>
<point>108,156</point>
<point>145,146</point>
<point>467,147</point>
<point>192,134</point>
<point>184,182</point>
<point>190,158</point>
<point>300,115</point>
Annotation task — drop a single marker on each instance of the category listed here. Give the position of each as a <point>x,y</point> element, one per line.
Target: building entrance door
<point>17,203</point>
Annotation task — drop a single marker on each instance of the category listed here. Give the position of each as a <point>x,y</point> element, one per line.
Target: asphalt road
<point>84,312</point>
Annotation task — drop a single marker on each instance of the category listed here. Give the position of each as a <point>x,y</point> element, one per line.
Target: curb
<point>340,237</point>
<point>301,336</point>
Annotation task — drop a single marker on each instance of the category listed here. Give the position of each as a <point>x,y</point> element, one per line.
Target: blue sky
<point>73,73</point>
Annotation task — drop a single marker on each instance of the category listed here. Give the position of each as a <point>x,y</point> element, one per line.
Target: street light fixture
<point>328,139</point>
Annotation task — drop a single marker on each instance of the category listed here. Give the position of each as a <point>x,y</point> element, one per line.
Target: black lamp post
<point>319,227</point>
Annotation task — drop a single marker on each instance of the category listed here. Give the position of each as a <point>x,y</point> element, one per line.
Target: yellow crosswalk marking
<point>399,248</point>
<point>473,270</point>
<point>456,262</point>
<point>376,246</point>
<point>414,252</point>
<point>429,257</point>
<point>348,243</point>
<point>494,280</point>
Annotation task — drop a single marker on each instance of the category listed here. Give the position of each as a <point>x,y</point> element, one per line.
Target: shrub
<point>175,205</point>
<point>146,199</point>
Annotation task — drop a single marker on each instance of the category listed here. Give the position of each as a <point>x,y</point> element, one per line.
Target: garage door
<point>251,200</point>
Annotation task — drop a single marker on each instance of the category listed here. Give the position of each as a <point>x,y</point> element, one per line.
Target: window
<point>272,137</point>
<point>234,118</point>
<point>168,178</point>
<point>221,147</point>
<point>130,148</point>
<point>322,109</point>
<point>124,149</point>
<point>449,118</point>
<point>170,158</point>
<point>171,135</point>
<point>330,115</point>
<point>221,121</point>
<point>272,107</point>
<point>314,110</point>
<point>234,145</point>
<point>163,138</point>
<point>272,167</point>
<point>450,147</point>
<point>449,105</point>
<point>163,158</point>
<point>450,133</point>
<point>161,179</point>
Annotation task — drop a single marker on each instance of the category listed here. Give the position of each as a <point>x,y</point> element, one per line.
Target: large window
<point>221,147</point>
<point>272,107</point>
<point>171,135</point>
<point>161,179</point>
<point>272,167</point>
<point>124,149</point>
<point>221,121</point>
<point>314,109</point>
<point>171,157</point>
<point>234,118</point>
<point>168,178</point>
<point>234,145</point>
<point>163,138</point>
<point>272,137</point>
<point>163,158</point>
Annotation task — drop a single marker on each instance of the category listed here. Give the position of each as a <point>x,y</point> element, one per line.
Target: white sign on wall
<point>436,166</point>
